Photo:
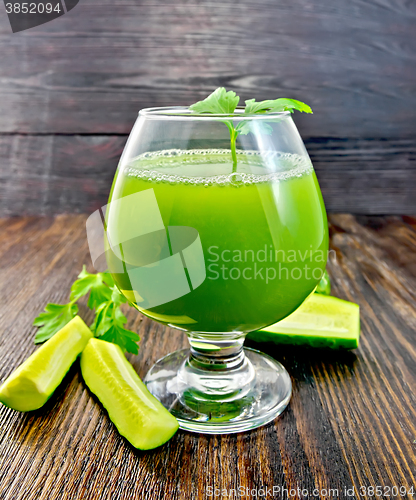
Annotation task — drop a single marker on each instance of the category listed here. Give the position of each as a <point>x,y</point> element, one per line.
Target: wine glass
<point>217,239</point>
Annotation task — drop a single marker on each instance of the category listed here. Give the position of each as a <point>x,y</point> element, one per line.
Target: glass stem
<point>217,366</point>
<point>216,352</point>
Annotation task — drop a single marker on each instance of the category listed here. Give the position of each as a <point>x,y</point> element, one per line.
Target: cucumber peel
<point>35,380</point>
<point>321,321</point>
<point>136,413</point>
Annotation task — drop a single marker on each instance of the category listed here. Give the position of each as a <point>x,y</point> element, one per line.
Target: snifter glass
<point>217,243</point>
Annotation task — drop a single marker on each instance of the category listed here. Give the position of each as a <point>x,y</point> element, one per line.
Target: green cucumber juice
<point>263,232</point>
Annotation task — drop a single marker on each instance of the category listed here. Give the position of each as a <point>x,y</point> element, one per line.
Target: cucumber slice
<point>136,413</point>
<point>321,321</point>
<point>34,381</point>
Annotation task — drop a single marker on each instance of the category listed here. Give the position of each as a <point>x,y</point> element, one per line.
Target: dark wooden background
<point>70,91</point>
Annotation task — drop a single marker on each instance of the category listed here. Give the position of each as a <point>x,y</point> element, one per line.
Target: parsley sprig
<point>221,102</point>
<point>104,298</point>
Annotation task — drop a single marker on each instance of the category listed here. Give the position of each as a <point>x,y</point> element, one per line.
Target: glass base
<point>216,401</point>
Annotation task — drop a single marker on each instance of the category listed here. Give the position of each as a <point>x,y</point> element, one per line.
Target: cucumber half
<point>34,381</point>
<point>321,321</point>
<point>136,413</point>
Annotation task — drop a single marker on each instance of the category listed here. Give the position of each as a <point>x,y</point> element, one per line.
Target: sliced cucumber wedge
<point>136,413</point>
<point>34,381</point>
<point>321,321</point>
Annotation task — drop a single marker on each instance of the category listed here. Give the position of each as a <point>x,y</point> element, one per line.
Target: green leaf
<point>277,105</point>
<point>261,126</point>
<point>105,298</point>
<point>109,325</point>
<point>126,339</point>
<point>117,297</point>
<point>324,286</point>
<point>98,317</point>
<point>119,316</point>
<point>223,102</point>
<point>219,102</point>
<point>55,317</point>
<point>108,279</point>
<point>246,127</point>
<point>105,320</point>
<point>253,107</point>
<point>95,285</point>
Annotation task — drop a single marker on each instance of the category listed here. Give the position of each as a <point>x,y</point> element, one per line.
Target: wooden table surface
<point>351,422</point>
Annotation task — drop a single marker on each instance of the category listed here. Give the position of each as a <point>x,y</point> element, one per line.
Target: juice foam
<point>181,167</point>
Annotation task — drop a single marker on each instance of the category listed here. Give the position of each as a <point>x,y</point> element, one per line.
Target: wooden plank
<point>54,174</point>
<point>91,70</point>
<point>366,176</point>
<point>351,421</point>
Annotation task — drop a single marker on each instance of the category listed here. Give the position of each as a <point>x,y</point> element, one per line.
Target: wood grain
<point>351,421</point>
<point>54,174</point>
<point>91,70</point>
<point>73,88</point>
<point>59,173</point>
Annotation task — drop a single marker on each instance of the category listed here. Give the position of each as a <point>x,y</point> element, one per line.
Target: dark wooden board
<point>91,70</point>
<point>351,421</point>
<point>58,173</point>
<point>54,174</point>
